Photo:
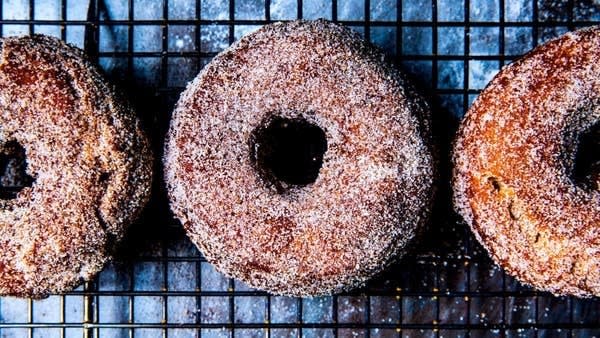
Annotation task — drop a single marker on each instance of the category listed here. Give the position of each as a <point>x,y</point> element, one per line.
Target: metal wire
<point>446,287</point>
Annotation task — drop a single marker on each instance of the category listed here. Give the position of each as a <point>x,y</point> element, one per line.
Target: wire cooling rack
<point>160,286</point>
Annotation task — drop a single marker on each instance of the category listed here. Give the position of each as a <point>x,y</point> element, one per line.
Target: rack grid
<point>161,286</point>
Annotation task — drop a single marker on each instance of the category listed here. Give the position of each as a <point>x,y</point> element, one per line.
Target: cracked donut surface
<point>324,233</point>
<point>87,156</point>
<point>518,177</point>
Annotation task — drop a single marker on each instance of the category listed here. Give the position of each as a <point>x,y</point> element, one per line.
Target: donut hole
<point>13,174</point>
<point>586,169</point>
<point>288,152</point>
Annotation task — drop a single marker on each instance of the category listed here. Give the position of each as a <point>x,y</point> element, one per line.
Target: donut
<point>299,162</point>
<point>81,158</point>
<point>526,166</point>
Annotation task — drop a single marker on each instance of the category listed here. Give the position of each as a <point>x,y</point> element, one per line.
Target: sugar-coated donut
<point>527,163</point>
<point>87,161</point>
<point>299,161</point>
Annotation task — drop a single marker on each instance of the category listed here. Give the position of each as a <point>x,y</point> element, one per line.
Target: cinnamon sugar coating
<point>372,193</point>
<point>514,160</point>
<point>89,158</point>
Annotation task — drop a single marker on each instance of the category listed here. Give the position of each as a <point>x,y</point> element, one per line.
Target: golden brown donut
<point>526,166</point>
<point>298,161</point>
<point>88,159</point>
